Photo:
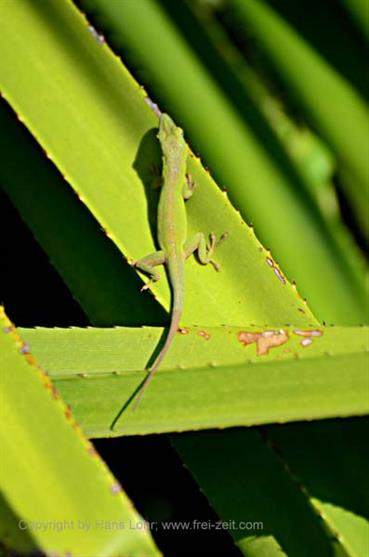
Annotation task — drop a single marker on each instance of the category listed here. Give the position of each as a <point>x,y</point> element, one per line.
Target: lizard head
<point>170,135</point>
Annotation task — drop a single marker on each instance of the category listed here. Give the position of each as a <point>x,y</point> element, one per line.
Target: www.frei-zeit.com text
<point>85,525</point>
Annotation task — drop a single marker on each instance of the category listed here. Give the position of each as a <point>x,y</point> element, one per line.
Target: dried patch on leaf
<point>270,261</point>
<point>308,334</point>
<point>264,340</point>
<point>98,38</point>
<point>279,275</point>
<point>276,269</point>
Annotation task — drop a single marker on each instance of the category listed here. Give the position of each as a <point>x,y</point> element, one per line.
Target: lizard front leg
<point>189,187</point>
<point>204,251</point>
<point>147,264</point>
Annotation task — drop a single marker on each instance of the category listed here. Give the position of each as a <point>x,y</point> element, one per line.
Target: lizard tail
<point>174,324</point>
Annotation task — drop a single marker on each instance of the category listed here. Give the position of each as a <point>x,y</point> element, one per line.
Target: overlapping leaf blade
<point>50,472</point>
<point>223,378</point>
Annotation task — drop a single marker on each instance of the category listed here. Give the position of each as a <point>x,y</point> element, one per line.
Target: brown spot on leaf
<point>264,340</point>
<point>204,335</point>
<point>54,392</point>
<point>91,450</point>
<point>116,488</point>
<point>45,379</point>
<point>30,359</point>
<point>107,233</point>
<point>24,349</point>
<point>184,331</point>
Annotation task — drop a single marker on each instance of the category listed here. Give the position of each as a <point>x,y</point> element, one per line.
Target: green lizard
<point>172,231</point>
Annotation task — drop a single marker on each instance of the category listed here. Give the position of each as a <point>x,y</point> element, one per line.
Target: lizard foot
<point>214,242</point>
